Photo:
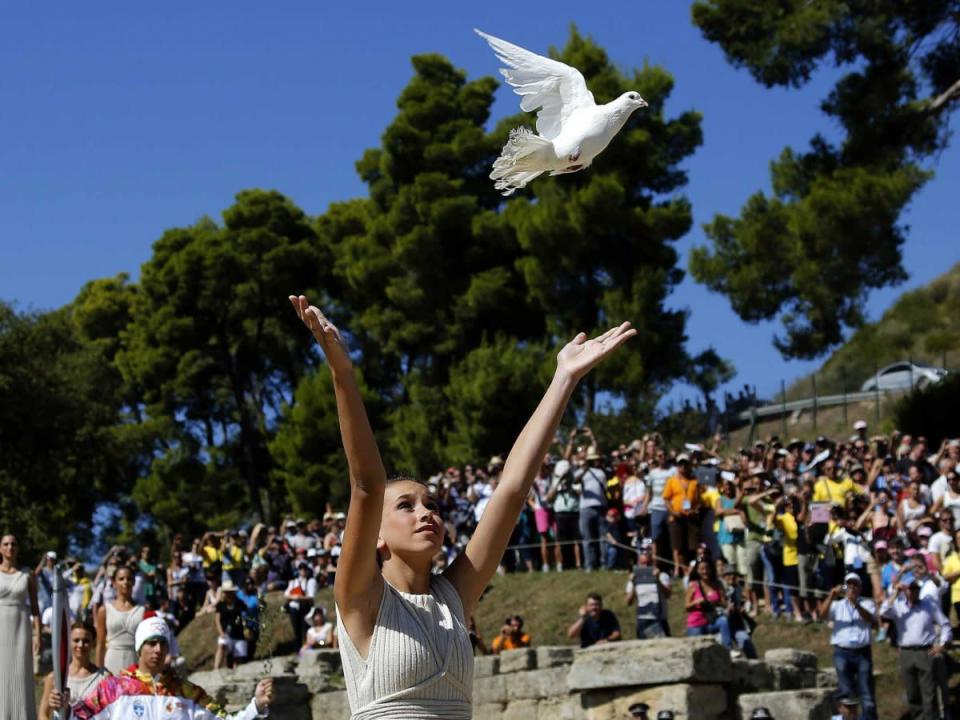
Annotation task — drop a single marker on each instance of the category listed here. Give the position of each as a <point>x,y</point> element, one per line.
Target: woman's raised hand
<point>580,355</point>
<point>324,331</point>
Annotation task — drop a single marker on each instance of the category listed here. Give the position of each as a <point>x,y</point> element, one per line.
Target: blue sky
<point>120,120</point>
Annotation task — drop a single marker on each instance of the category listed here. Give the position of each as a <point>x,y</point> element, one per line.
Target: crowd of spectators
<point>786,528</point>
<point>224,573</point>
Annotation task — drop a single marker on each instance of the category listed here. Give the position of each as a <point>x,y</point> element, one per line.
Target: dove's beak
<point>643,103</point>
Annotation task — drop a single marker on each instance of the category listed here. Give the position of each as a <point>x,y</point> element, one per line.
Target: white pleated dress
<point>420,661</point>
<point>17,700</point>
<point>121,632</point>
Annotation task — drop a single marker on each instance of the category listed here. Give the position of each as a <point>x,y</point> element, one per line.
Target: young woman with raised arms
<point>403,634</point>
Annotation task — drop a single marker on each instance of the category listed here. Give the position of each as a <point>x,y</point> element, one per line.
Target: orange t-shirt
<point>501,643</point>
<point>683,496</point>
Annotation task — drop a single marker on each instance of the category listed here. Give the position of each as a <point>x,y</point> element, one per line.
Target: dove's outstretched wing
<point>555,88</point>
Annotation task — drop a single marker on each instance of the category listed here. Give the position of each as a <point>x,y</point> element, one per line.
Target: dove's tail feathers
<point>523,158</point>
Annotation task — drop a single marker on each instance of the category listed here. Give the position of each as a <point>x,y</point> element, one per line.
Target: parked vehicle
<point>903,376</point>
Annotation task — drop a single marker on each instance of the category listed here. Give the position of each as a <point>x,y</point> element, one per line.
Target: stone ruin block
<point>651,662</point>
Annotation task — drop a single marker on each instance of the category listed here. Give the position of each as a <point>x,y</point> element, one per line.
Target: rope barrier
<point>817,592</point>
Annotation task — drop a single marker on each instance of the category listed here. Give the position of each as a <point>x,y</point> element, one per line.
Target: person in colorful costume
<point>150,691</point>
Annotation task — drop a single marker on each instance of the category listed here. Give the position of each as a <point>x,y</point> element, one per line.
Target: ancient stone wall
<point>694,677</point>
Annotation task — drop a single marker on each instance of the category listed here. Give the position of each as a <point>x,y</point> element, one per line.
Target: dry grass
<point>830,422</point>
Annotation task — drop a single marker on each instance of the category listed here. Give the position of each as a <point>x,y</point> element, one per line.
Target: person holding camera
<point>299,597</point>
<point>922,632</point>
<point>789,516</point>
<point>593,507</point>
<point>706,603</point>
<point>511,636</point>
<point>566,509</point>
<point>853,618</point>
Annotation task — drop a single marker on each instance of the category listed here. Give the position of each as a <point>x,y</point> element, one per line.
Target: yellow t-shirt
<point>835,491</point>
<point>788,524</point>
<point>708,499</point>
<point>952,565</point>
<point>87,592</point>
<point>210,555</point>
<point>232,558</point>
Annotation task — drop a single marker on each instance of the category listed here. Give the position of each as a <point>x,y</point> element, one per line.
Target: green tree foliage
<point>829,233</point>
<point>491,393</point>
<point>307,450</point>
<point>60,428</point>
<point>454,298</point>
<point>924,324</point>
<point>193,396</point>
<point>597,244</point>
<point>708,371</point>
<point>212,343</point>
<point>425,265</point>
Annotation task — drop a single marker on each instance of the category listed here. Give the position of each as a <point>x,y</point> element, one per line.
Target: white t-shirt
<point>649,598</point>
<point>594,493</point>
<point>657,480</point>
<point>483,493</point>
<point>938,487</point>
<point>320,636</point>
<point>940,544</point>
<point>633,493</point>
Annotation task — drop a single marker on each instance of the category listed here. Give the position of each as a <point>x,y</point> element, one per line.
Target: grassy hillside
<point>549,602</point>
<point>923,324</point>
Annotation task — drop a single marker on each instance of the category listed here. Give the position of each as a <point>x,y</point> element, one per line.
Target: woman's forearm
<point>363,456</point>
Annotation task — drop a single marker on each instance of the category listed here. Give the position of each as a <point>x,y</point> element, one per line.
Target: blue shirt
<point>888,572</point>
<point>850,629</point>
<point>916,624</point>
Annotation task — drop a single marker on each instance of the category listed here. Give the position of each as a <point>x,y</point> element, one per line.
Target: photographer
<point>511,636</point>
<point>789,515</point>
<point>853,618</point>
<point>705,602</point>
<point>593,507</point>
<point>923,631</point>
<point>566,508</point>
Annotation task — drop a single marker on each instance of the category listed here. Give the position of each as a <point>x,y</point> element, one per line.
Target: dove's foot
<point>574,156</point>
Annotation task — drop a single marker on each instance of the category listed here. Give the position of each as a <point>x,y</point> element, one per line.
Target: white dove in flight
<point>571,128</point>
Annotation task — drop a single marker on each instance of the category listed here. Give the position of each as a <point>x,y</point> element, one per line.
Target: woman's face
<point>703,570</point>
<point>81,642</point>
<point>914,491</point>
<point>123,582</point>
<point>9,548</point>
<point>410,523</point>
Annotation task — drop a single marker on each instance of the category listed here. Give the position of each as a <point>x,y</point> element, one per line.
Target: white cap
<point>852,577</point>
<point>51,555</point>
<point>860,425</point>
<point>149,629</point>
